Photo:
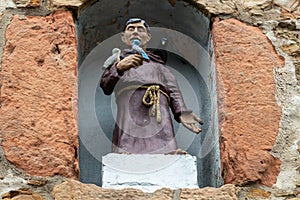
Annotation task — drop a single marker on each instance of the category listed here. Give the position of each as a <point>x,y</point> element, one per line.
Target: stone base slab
<point>149,172</point>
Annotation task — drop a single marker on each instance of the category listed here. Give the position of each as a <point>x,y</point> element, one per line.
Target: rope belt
<point>152,94</point>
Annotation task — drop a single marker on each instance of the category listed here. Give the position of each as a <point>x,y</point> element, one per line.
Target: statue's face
<point>136,31</point>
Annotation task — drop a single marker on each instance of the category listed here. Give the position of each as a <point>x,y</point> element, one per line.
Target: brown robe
<point>135,130</point>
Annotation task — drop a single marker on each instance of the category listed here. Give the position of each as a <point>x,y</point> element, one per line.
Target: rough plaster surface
<point>284,35</point>
<point>4,21</point>
<point>74,190</point>
<point>4,4</point>
<point>9,182</point>
<point>249,114</point>
<point>39,67</point>
<point>149,172</point>
<point>288,96</point>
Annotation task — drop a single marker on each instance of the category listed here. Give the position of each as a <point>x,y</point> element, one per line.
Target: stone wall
<point>245,61</point>
<point>257,57</point>
<point>38,80</point>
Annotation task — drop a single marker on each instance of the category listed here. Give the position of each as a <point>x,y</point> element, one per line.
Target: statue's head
<point>136,28</point>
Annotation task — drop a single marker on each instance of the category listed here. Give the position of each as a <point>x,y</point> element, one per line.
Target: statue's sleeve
<point>177,104</point>
<point>109,79</point>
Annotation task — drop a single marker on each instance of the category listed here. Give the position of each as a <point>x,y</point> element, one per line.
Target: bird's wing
<point>109,61</point>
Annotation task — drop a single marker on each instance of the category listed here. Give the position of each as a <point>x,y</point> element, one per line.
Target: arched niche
<point>190,57</point>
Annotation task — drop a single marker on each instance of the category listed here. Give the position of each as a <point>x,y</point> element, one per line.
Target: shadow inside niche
<point>98,29</point>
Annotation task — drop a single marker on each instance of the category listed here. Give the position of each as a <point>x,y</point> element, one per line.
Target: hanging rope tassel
<point>153,95</point>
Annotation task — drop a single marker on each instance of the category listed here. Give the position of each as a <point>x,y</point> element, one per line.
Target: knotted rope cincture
<point>150,98</point>
<point>152,93</point>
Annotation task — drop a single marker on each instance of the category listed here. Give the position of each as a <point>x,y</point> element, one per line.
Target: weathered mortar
<point>266,15</point>
<point>287,145</point>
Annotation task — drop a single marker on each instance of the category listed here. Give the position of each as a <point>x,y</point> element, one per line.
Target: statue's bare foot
<point>180,152</point>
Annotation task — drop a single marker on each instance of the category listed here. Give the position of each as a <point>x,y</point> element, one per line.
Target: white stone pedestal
<point>149,172</point>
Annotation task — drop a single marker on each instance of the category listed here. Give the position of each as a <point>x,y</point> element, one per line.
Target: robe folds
<point>135,130</point>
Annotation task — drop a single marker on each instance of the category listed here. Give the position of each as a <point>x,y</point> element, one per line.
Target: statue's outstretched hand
<point>133,60</point>
<point>189,121</point>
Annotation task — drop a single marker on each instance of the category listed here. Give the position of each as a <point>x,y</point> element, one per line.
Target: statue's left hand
<point>189,121</point>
